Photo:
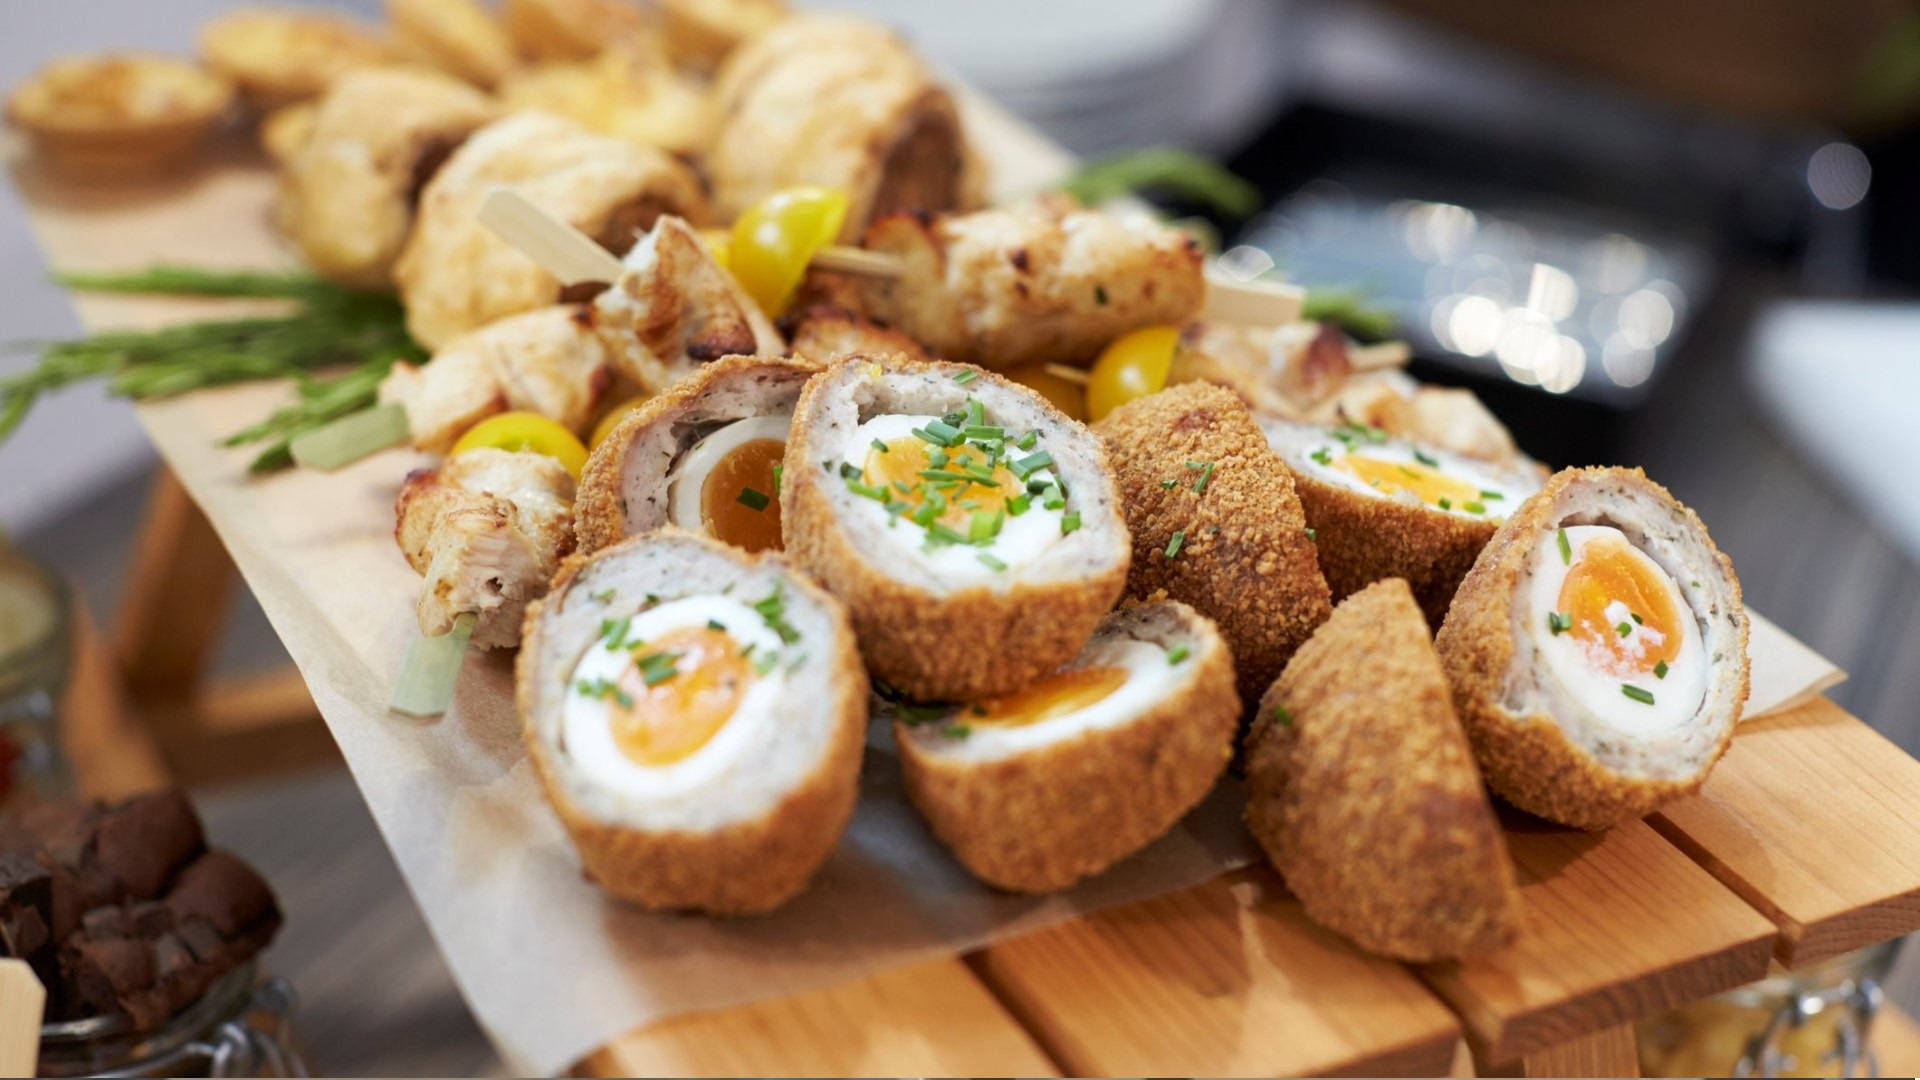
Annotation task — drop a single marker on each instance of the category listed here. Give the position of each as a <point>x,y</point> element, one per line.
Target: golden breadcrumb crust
<point>1041,820</point>
<point>1528,760</point>
<point>1244,559</point>
<point>1365,796</point>
<point>599,510</point>
<point>956,645</point>
<point>746,867</point>
<point>1364,538</point>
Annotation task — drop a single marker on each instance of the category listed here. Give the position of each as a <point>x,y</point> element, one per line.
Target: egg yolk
<point>740,502</point>
<point>1608,571</point>
<point>1428,485</point>
<point>682,711</point>
<point>956,477</point>
<point>1056,695</point>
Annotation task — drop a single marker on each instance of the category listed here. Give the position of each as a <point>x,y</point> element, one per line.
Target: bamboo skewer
<point>573,257</point>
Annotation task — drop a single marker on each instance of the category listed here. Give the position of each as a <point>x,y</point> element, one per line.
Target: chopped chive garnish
<point>1018,504</point>
<point>1413,473</point>
<point>1474,507</point>
<point>1282,717</point>
<point>983,526</point>
<point>1623,629</point>
<point>880,446</point>
<point>877,494</point>
<point>778,471</point>
<point>766,662</point>
<point>751,499</point>
<point>1644,697</point>
<point>946,533</point>
<point>1446,503</point>
<point>1055,502</point>
<point>976,412</point>
<point>1026,441</point>
<point>924,514</point>
<point>1566,549</point>
<point>656,668</point>
<point>652,599</point>
<point>1429,462</point>
<point>1636,619</point>
<point>1322,456</point>
<point>1559,623</point>
<point>850,471</point>
<point>956,731</point>
<point>601,688</point>
<point>1069,521</point>
<point>1168,484</point>
<point>1174,544</point>
<point>615,631</point>
<point>1660,670</point>
<point>1032,463</point>
<point>716,624</point>
<point>987,560</point>
<point>984,432</point>
<point>967,376</point>
<point>1178,653</point>
<point>1099,294</point>
<point>1490,495</point>
<point>1039,485</point>
<point>604,596</point>
<point>937,432</point>
<point>773,609</point>
<point>1313,534</point>
<point>1206,474</point>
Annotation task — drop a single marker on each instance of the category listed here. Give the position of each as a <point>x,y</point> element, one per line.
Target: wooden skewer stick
<point>22,1001</point>
<point>573,257</point>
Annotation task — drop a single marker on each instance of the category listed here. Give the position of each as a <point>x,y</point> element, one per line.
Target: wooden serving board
<point>1801,845</point>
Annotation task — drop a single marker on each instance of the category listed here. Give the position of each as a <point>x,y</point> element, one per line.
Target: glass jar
<point>236,1028</point>
<point>36,645</point>
<point>1808,1022</point>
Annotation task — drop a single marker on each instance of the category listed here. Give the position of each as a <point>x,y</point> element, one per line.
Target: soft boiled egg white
<point>1436,479</point>
<point>1017,524</point>
<point>716,672</point>
<point>1615,630</point>
<point>726,485</point>
<point>1114,681</point>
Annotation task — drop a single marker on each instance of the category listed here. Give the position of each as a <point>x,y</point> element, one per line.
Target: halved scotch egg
<point>1382,507</point>
<point>1598,650</point>
<point>970,528</point>
<point>696,717</point>
<point>705,456</point>
<point>1087,764</point>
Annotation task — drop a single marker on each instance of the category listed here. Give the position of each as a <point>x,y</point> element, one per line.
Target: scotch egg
<point>1036,789</point>
<point>971,529</point>
<point>696,717</point>
<point>1597,650</point>
<point>705,456</point>
<point>1382,507</point>
<point>1362,790</point>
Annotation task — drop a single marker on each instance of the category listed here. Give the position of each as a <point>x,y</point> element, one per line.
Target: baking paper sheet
<point>550,968</point>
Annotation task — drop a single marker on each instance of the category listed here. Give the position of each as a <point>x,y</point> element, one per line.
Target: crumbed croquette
<point>1362,789</point>
<point>1216,523</point>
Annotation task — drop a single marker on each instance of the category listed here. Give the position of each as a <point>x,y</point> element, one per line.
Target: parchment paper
<point>552,970</point>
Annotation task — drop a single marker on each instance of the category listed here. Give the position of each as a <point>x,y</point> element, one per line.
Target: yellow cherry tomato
<point>718,243</point>
<point>526,431</point>
<point>776,238</point>
<point>1132,366</point>
<point>614,415</point>
<point>1068,396</point>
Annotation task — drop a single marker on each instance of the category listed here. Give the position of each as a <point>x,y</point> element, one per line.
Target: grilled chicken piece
<point>348,194</point>
<point>675,308</point>
<point>824,333</point>
<point>547,361</point>
<point>456,276</point>
<point>700,33</point>
<point>841,102</point>
<point>623,91</point>
<point>1046,281</point>
<point>556,30</point>
<point>487,529</point>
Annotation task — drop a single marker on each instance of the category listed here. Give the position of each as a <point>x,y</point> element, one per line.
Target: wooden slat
<point>175,601</point>
<point>1814,819</point>
<point>1619,927</point>
<point>112,757</point>
<point>1226,979</point>
<point>927,1019</point>
<point>1608,1052</point>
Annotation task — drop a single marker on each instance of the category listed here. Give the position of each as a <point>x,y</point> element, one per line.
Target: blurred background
<point>1679,234</point>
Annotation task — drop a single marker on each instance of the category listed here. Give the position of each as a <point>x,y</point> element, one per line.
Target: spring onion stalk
<point>1350,309</point>
<point>350,438</point>
<point>327,326</point>
<point>426,680</point>
<point>1177,172</point>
